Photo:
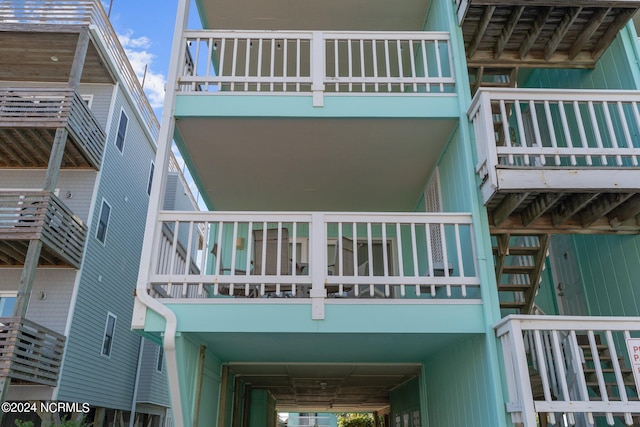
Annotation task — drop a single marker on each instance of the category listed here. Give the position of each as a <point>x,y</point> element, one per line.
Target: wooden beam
<point>599,208</point>
<point>199,381</point>
<point>534,31</point>
<point>506,207</point>
<point>482,28</point>
<point>625,211</point>
<point>620,21</point>
<point>503,252</point>
<point>543,225</point>
<point>507,31</point>
<point>586,34</point>
<point>539,207</point>
<point>571,206</point>
<point>561,32</point>
<point>224,391</point>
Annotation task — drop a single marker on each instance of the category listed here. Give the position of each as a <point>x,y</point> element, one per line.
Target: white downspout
<point>143,299</point>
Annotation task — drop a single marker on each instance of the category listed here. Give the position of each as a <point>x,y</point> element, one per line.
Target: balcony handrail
<point>29,351</point>
<point>317,62</point>
<point>580,362</point>
<point>428,255</point>
<point>86,13</point>
<point>33,215</point>
<point>554,128</point>
<point>54,108</point>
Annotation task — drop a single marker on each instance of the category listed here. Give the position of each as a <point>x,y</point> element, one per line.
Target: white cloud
<point>137,50</point>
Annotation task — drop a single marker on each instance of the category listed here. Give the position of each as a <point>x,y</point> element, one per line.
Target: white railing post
<point>523,382</point>
<point>317,68</point>
<point>318,264</point>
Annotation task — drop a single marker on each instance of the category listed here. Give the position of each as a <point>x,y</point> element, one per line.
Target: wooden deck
<point>548,33</point>
<point>29,353</point>
<point>29,118</point>
<point>29,216</point>
<point>531,212</point>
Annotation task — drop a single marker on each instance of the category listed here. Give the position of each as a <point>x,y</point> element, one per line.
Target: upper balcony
<point>318,63</point>
<point>29,118</point>
<point>37,215</point>
<point>29,352</point>
<point>559,160</point>
<point>46,35</point>
<point>540,33</point>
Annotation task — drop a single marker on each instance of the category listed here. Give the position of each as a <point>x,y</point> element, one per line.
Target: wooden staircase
<point>491,77</point>
<point>519,262</point>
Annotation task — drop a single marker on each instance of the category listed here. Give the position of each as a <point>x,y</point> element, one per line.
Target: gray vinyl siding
<point>57,284</point>
<point>108,276</point>
<point>78,184</point>
<point>153,387</point>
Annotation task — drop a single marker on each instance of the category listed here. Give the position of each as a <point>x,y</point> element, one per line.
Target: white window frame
<point>113,335</point>
<point>8,294</point>
<point>160,358</point>
<point>126,129</point>
<point>152,168</point>
<point>88,99</point>
<point>106,228</point>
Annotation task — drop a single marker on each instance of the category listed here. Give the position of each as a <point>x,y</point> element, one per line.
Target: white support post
<point>523,382</point>
<point>318,264</point>
<point>317,68</point>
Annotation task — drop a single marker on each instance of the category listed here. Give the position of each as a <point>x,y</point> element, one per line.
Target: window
<point>160,361</point>
<point>122,131</point>
<point>7,302</point>
<point>103,222</point>
<point>109,331</point>
<point>150,181</point>
<point>88,100</point>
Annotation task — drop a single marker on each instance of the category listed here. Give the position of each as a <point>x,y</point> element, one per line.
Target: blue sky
<point>145,29</point>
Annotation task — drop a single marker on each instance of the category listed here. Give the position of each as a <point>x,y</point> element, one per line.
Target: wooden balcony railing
<point>84,13</point>
<point>537,148</point>
<point>296,255</point>
<point>50,108</point>
<point>29,352</point>
<point>315,62</point>
<point>26,216</point>
<point>576,368</point>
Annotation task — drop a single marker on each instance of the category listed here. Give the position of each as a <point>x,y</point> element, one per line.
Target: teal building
<point>428,211</point>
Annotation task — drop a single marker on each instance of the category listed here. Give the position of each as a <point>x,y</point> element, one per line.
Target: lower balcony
<point>558,160</point>
<point>38,215</point>
<point>29,353</point>
<point>572,370</point>
<point>29,118</point>
<point>319,257</point>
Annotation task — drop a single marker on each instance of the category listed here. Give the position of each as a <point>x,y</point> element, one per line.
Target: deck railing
<point>41,215</point>
<point>318,62</point>
<point>555,129</point>
<point>54,108</point>
<point>342,255</point>
<point>575,368</point>
<point>84,13</point>
<point>30,352</point>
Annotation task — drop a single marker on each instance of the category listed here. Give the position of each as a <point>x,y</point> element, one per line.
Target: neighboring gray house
<point>77,144</point>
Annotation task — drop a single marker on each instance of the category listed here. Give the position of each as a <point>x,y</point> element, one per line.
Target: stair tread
<point>518,269</point>
<point>513,287</point>
<point>519,250</point>
<point>512,304</point>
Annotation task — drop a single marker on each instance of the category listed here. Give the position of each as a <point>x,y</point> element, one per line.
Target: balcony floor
<point>13,253</point>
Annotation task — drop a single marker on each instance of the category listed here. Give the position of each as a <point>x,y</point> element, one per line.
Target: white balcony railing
<point>549,130</point>
<point>299,255</point>
<point>318,62</point>
<point>570,369</point>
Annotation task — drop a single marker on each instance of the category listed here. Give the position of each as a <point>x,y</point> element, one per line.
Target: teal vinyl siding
<point>614,70</point>
<point>188,355</point>
<point>610,268</point>
<point>405,401</point>
<point>108,276</point>
<point>457,385</point>
<point>455,175</point>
